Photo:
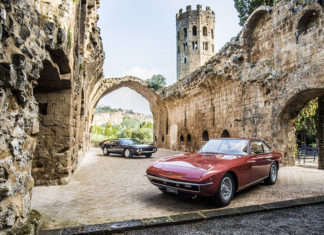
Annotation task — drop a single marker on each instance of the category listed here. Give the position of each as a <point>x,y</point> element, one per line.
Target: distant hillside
<point>105,114</point>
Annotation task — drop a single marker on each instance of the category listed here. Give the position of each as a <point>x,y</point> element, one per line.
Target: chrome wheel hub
<point>273,172</point>
<point>226,188</point>
<point>126,153</point>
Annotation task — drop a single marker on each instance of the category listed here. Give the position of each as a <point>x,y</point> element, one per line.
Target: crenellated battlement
<point>198,10</point>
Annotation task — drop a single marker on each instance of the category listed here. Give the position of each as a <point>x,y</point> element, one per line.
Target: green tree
<point>246,7</point>
<point>306,124</point>
<point>156,82</point>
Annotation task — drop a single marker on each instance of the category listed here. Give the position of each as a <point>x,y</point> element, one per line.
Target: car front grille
<point>176,185</point>
<point>185,186</point>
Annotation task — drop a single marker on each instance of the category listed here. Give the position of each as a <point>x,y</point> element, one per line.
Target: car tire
<point>225,191</point>
<point>163,190</point>
<point>148,155</point>
<point>127,153</point>
<point>105,151</point>
<point>273,174</point>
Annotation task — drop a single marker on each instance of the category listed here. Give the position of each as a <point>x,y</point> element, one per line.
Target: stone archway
<point>105,86</point>
<point>287,121</point>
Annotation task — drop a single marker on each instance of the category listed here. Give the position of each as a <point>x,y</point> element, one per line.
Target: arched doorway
<point>288,117</point>
<point>106,86</point>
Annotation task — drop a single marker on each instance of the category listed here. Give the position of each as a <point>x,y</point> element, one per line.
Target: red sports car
<point>220,168</point>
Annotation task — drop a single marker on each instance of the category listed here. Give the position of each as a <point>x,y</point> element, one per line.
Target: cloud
<point>142,73</point>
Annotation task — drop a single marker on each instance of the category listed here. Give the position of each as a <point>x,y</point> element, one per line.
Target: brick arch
<point>286,119</point>
<point>105,86</point>
<point>251,22</point>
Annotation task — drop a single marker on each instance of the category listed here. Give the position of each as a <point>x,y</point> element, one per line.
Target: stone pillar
<point>320,132</point>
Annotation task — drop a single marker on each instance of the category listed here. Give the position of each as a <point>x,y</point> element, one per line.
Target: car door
<point>119,148</point>
<point>113,146</point>
<point>268,156</point>
<point>258,161</point>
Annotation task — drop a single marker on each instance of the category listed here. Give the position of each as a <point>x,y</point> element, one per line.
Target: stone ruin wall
<point>50,58</point>
<point>51,61</point>
<point>255,86</point>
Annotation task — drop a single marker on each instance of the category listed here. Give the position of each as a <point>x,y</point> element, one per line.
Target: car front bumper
<point>186,187</point>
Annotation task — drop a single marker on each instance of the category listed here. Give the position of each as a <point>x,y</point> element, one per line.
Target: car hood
<point>186,166</point>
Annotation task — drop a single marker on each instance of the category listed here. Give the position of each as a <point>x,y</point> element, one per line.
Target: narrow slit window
<point>194,30</point>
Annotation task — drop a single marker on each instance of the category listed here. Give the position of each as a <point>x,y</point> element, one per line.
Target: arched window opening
<point>205,46</point>
<point>194,30</point>
<point>185,60</point>
<point>204,31</point>
<point>178,35</point>
<point>213,48</point>
<point>155,138</point>
<point>185,46</point>
<point>195,45</point>
<point>225,133</point>
<point>212,33</point>
<point>205,136</point>
<point>188,138</point>
<point>178,50</point>
<point>185,32</point>
<point>181,138</point>
<point>307,22</point>
<point>167,126</point>
<point>162,138</point>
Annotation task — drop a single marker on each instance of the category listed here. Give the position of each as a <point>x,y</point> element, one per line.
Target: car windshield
<point>129,141</point>
<point>226,146</point>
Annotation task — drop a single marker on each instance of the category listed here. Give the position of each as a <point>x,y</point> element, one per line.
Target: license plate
<point>172,190</point>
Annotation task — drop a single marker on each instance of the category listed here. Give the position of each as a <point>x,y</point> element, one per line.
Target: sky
<point>139,39</point>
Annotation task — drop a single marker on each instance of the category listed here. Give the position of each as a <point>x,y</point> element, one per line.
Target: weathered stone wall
<point>192,51</point>
<point>44,75</point>
<point>255,86</point>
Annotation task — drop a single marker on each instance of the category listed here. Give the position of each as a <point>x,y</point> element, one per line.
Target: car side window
<point>266,148</point>
<point>117,142</point>
<point>256,147</point>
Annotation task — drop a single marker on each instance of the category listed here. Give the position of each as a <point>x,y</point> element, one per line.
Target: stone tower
<point>195,39</point>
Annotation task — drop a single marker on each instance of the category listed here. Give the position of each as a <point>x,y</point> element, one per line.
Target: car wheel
<point>163,190</point>
<point>225,191</point>
<point>148,155</point>
<point>273,174</point>
<point>127,153</point>
<point>105,151</point>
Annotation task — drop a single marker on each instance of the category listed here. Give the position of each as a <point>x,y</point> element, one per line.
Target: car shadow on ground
<point>173,202</point>
<point>121,156</point>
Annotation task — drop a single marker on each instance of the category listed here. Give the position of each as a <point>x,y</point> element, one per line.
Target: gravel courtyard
<point>114,188</point>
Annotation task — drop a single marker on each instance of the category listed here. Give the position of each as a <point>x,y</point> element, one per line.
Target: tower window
<point>185,46</point>
<point>213,48</point>
<point>181,138</point>
<point>212,33</point>
<point>178,36</point>
<point>185,32</point>
<point>195,45</point>
<point>185,60</point>
<point>178,49</point>
<point>194,30</point>
<point>204,31</point>
<point>205,44</point>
